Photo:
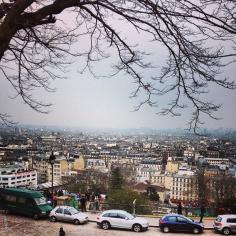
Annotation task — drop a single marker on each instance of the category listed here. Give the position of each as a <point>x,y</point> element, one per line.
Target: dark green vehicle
<point>25,202</point>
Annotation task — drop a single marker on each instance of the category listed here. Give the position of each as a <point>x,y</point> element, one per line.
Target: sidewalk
<point>154,221</point>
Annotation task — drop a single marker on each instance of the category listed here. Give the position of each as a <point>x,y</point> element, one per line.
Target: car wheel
<point>76,222</point>
<point>105,225</point>
<point>166,229</point>
<point>137,228</point>
<point>196,230</point>
<point>226,231</point>
<point>36,216</point>
<point>53,219</point>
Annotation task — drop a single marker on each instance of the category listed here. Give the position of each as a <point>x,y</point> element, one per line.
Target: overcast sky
<point>82,101</point>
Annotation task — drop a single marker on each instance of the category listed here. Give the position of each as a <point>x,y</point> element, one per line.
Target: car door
<point>59,213</point>
<point>171,222</point>
<point>123,221</point>
<point>183,224</point>
<point>232,223</point>
<point>67,215</point>
<point>113,219</point>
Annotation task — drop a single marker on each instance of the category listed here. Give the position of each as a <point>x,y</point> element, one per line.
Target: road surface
<point>11,225</point>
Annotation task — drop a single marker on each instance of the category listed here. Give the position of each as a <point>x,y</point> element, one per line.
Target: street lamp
<point>52,162</point>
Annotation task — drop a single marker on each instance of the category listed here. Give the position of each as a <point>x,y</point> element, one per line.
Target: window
<point>21,200</point>
<point>113,215</point>
<point>121,216</point>
<point>106,215</point>
<point>11,198</point>
<point>171,219</point>
<point>29,202</point>
<point>182,220</point>
<point>231,220</point>
<point>40,201</point>
<point>218,219</point>
<point>59,210</point>
<point>66,212</point>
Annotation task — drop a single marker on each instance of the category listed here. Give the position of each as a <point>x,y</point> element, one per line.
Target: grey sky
<point>104,103</point>
<point>83,101</point>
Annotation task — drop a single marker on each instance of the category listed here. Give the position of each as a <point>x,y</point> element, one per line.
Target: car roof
<point>226,216</point>
<point>173,214</point>
<point>114,210</point>
<point>63,207</point>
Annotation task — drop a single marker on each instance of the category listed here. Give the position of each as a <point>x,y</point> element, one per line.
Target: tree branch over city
<point>35,43</point>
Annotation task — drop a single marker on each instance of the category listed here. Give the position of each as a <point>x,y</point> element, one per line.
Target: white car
<point>225,224</point>
<point>121,219</point>
<point>69,214</point>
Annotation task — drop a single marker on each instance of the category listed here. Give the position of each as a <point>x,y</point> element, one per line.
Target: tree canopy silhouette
<point>34,44</point>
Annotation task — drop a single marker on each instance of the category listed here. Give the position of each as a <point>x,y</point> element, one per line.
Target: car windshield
<point>131,217</point>
<point>40,201</point>
<point>218,219</point>
<point>73,211</point>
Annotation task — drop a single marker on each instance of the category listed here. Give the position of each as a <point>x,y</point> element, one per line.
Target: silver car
<point>121,219</point>
<point>225,224</point>
<point>69,214</point>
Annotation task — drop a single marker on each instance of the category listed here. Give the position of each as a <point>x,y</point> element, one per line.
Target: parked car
<point>179,223</point>
<point>225,224</point>
<point>25,202</point>
<point>70,214</point>
<point>121,219</point>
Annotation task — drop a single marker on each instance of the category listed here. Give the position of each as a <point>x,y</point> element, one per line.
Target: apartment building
<point>182,184</point>
<point>17,175</point>
<point>60,168</point>
<point>217,161</point>
<point>183,187</point>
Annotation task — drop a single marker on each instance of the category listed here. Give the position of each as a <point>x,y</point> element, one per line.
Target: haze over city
<point>83,101</point>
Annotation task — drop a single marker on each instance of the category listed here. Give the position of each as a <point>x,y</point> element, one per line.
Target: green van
<point>25,202</point>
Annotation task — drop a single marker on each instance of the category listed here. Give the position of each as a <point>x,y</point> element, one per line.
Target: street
<point>11,225</point>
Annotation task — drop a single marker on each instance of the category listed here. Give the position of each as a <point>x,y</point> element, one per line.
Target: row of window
<point>18,177</point>
<point>14,199</point>
<point>7,179</point>
<point>182,180</point>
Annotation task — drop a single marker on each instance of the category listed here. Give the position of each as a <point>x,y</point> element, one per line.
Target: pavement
<point>14,225</point>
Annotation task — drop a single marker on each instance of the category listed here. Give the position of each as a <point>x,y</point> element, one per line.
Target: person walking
<point>179,210</point>
<point>62,232</point>
<point>202,212</point>
<point>83,203</point>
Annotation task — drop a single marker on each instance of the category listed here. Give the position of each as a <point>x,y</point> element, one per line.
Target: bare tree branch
<point>34,47</point>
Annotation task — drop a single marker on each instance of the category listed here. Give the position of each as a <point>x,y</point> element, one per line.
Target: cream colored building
<point>182,185</point>
<point>61,167</point>
<point>78,164</point>
<point>172,167</point>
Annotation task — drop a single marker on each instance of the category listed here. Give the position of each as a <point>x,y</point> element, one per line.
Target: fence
<point>159,209</point>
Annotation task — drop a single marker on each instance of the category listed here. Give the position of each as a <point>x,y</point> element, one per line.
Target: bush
<point>123,199</point>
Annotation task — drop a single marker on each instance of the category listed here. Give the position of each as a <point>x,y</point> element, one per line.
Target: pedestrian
<point>202,212</point>
<point>179,210</point>
<point>83,203</point>
<point>62,232</point>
